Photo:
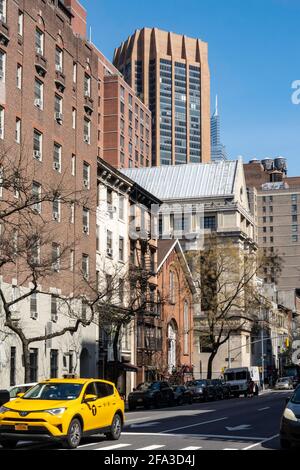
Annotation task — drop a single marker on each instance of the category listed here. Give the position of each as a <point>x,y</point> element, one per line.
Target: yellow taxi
<point>63,410</point>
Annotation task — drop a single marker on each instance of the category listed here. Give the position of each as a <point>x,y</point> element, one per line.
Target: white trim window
<point>57,152</point>
<point>37,195</point>
<point>73,165</point>
<point>87,131</point>
<point>86,221</point>
<point>18,130</point>
<point>85,266</point>
<point>54,309</point>
<point>39,42</point>
<point>19,76</point>
<point>74,118</point>
<point>38,94</point>
<point>56,257</point>
<point>37,145</point>
<point>86,175</point>
<point>20,23</point>
<point>186,326</point>
<point>58,59</point>
<point>74,72</point>
<point>2,122</point>
<point>56,209</point>
<point>58,109</point>
<point>3,11</point>
<point>72,213</point>
<point>2,66</point>
<point>87,85</point>
<point>33,306</point>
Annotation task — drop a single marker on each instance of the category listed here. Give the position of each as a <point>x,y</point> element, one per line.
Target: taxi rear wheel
<point>115,429</point>
<point>74,435</point>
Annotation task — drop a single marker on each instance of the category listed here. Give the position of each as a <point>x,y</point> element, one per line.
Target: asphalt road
<point>235,424</point>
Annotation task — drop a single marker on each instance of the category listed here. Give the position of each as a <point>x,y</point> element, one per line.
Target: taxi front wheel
<point>115,429</point>
<point>74,435</point>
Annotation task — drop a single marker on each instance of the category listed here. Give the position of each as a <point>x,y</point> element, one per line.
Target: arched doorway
<point>172,346</point>
<point>84,364</point>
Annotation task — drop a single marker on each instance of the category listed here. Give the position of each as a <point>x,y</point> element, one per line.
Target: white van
<point>239,379</point>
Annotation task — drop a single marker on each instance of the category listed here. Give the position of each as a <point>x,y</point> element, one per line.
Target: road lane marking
<point>262,442</point>
<point>264,409</point>
<point>191,448</point>
<point>114,447</point>
<point>137,419</point>
<point>144,425</point>
<point>194,436</point>
<point>230,449</point>
<point>239,428</point>
<point>193,425</point>
<point>151,447</point>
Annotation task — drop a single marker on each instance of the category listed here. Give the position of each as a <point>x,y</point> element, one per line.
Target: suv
<point>151,394</point>
<point>222,389</point>
<point>202,389</point>
<point>63,411</point>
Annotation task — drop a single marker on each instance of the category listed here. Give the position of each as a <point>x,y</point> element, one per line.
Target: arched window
<point>172,287</point>
<point>186,328</point>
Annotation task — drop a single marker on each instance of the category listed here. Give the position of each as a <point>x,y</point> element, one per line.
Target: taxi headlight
<point>289,414</point>
<point>3,409</point>
<point>56,411</point>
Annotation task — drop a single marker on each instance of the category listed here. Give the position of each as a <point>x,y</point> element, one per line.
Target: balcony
<point>4,33</point>
<point>88,105</point>
<point>60,81</point>
<point>41,65</point>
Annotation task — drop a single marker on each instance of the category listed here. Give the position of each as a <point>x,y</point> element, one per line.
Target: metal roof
<point>191,181</point>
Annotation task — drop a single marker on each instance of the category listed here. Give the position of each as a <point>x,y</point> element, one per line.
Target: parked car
<point>151,394</point>
<point>16,389</point>
<point>202,390</point>
<point>222,389</point>
<point>182,394</point>
<point>284,383</point>
<point>290,422</point>
<point>4,397</point>
<point>63,411</point>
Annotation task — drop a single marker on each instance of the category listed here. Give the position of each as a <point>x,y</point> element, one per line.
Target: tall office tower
<point>218,151</point>
<point>170,74</point>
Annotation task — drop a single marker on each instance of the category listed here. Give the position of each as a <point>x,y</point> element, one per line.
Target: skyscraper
<point>170,74</point>
<point>218,151</point>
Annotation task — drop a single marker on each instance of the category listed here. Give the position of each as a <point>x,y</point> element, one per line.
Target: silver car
<point>284,383</point>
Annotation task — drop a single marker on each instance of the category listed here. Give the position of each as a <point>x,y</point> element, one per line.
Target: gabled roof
<point>164,249</point>
<point>191,181</point>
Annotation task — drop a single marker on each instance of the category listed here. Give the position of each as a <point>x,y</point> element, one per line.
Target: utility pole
<point>229,352</point>
<point>262,358</point>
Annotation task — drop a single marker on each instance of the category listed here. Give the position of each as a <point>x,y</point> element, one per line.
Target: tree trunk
<point>116,371</point>
<point>210,364</point>
<point>26,356</point>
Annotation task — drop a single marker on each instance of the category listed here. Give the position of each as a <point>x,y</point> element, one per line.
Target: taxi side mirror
<point>20,395</point>
<point>90,398</point>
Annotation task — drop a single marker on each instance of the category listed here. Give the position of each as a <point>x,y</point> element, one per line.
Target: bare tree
<point>226,276</point>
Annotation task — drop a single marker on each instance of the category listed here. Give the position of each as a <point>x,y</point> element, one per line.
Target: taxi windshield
<point>57,391</point>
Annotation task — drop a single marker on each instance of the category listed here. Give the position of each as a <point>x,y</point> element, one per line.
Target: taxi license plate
<point>21,427</point>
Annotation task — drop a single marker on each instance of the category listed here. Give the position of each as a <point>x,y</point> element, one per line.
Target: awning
<point>124,366</point>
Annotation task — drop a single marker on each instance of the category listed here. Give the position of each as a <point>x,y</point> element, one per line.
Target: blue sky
<point>254,57</point>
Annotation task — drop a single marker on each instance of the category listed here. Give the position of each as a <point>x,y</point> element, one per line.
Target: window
<point>53,363</point>
<point>109,243</point>
<point>2,66</point>
<point>20,23</point>
<point>72,260</point>
<point>3,10</point>
<point>58,108</point>
<point>172,287</point>
<point>1,122</point>
<point>294,208</point>
<point>74,72</point>
<point>73,165</point>
<point>72,214</point>
<point>38,94</point>
<point>122,92</point>
<point>37,145</point>
<point>121,291</point>
<point>56,209</point>
<point>85,220</point>
<point>87,85</point>
<point>12,365</point>
<point>294,238</point>
<point>35,251</point>
<point>122,107</point>
<point>87,131</point>
<point>210,223</point>
<point>39,42</point>
<point>19,76</point>
<point>130,99</point>
<point>121,248</point>
<point>85,266</point>
<point>54,315</point>
<point>33,364</point>
<point>74,118</point>
<point>122,140</point>
<point>121,207</point>
<point>55,257</point>
<point>84,306</point>
<point>97,238</point>
<point>186,325</point>
<point>33,306</point>
<point>57,157</point>
<point>86,175</point>
<point>36,195</point>
<point>58,59</point>
<point>294,198</point>
<point>18,130</point>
